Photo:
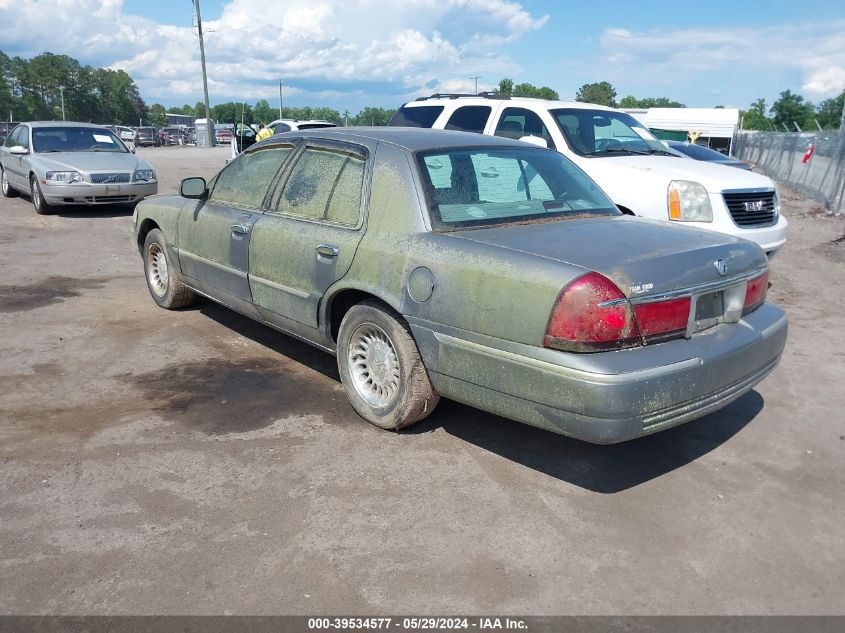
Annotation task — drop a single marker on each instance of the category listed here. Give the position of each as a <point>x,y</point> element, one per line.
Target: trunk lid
<point>642,257</point>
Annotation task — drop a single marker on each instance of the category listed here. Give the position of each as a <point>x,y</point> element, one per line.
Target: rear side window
<point>469,119</point>
<point>419,116</point>
<point>325,184</point>
<point>518,122</point>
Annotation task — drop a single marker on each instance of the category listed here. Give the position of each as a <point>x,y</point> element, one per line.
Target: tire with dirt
<point>163,282</point>
<point>41,207</point>
<point>8,190</point>
<point>381,368</point>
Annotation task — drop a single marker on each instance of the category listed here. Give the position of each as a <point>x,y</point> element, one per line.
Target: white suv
<point>634,168</point>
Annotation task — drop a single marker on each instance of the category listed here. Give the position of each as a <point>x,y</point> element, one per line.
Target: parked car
<point>244,135</point>
<point>60,163</point>
<point>175,135</point>
<point>147,137</point>
<point>126,134</point>
<point>636,170</point>
<point>699,152</point>
<point>223,135</point>
<point>481,269</point>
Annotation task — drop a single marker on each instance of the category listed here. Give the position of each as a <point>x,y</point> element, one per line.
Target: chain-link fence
<point>781,156</point>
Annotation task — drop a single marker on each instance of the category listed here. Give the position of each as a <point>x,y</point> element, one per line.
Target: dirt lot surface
<point>195,462</point>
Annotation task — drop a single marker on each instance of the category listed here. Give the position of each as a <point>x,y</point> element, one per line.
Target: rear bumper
<point>88,193</point>
<point>606,397</point>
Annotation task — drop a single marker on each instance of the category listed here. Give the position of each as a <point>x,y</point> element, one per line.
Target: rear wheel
<point>8,190</point>
<point>163,282</point>
<point>41,207</point>
<point>381,368</point>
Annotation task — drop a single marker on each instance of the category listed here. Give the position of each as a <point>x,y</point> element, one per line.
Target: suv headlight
<point>689,202</point>
<point>777,201</point>
<point>64,176</point>
<point>144,174</point>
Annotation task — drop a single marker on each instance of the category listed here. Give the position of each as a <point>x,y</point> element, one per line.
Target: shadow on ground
<point>602,469</point>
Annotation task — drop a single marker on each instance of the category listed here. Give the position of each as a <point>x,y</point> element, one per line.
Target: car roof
<point>410,138</point>
<point>479,99</point>
<point>62,124</point>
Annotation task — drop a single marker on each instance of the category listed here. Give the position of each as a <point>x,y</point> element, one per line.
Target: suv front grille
<point>755,208</point>
<point>109,178</point>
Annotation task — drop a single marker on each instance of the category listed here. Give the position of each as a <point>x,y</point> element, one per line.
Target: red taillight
<point>755,292</point>
<point>663,319</point>
<point>580,323</point>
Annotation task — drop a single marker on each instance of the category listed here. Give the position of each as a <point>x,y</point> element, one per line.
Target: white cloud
<point>320,44</point>
<point>814,53</point>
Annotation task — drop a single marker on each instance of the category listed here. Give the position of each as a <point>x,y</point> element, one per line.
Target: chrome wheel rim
<point>374,365</point>
<point>36,199</point>
<point>5,182</point>
<point>157,272</point>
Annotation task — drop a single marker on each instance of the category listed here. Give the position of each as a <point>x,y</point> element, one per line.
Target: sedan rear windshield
<point>75,139</point>
<point>483,187</point>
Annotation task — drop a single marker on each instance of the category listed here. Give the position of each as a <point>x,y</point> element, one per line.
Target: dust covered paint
<point>308,253</point>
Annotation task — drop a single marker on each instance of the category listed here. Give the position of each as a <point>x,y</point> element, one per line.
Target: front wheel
<point>381,368</point>
<point>41,207</point>
<point>163,282</point>
<point>8,190</point>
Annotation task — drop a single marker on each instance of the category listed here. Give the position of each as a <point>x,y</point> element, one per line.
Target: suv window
<point>469,119</point>
<point>518,122</point>
<point>245,181</point>
<point>605,132</point>
<point>422,116</point>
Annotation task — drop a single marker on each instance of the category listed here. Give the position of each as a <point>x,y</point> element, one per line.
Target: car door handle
<point>240,229</point>
<point>327,250</point>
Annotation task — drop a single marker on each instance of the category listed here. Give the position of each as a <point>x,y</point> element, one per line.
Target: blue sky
<point>348,54</point>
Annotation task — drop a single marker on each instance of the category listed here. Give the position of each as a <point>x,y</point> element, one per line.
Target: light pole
<point>209,126</point>
<point>280,98</point>
<point>476,82</point>
<point>62,93</point>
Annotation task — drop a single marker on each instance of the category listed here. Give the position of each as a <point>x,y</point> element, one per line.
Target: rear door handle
<point>240,229</point>
<point>327,250</point>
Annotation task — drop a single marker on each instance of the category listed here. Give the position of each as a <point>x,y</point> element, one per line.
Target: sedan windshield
<point>605,133</point>
<point>483,187</point>
<point>75,139</point>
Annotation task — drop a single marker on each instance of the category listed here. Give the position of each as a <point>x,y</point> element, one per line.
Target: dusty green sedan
<point>492,272</point>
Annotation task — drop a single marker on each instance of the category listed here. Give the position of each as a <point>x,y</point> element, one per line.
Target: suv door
<point>308,236</point>
<point>515,123</point>
<point>214,235</point>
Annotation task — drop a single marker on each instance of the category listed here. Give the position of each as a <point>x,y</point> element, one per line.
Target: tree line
<point>787,112</point>
<point>50,87</point>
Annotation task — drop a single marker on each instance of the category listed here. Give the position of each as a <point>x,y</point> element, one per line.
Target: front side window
<point>518,122</point>
<point>483,187</point>
<point>246,180</point>
<point>469,119</point>
<point>14,137</point>
<point>76,139</point>
<point>605,133</point>
<point>325,184</point>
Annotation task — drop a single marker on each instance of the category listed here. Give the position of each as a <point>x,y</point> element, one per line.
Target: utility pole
<point>62,92</point>
<point>209,126</point>
<point>476,82</point>
<point>280,99</point>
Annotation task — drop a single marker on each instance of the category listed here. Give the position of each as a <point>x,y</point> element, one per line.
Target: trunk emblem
<point>721,267</point>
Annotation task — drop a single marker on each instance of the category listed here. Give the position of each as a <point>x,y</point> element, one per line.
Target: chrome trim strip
<point>568,372</point>
<point>752,190</point>
<point>287,289</point>
<point>685,292</point>
<point>211,263</point>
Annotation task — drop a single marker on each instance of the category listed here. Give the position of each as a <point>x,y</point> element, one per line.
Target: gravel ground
<point>195,462</point>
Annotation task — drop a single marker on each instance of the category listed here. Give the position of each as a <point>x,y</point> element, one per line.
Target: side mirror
<point>18,150</point>
<point>193,188</point>
<point>534,140</point>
